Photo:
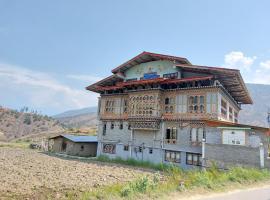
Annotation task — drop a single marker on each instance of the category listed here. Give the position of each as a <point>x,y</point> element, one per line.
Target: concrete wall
<point>230,155</point>
<point>225,155</point>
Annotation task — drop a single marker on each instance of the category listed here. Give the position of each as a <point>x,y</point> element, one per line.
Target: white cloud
<point>237,59</point>
<point>86,78</point>
<point>43,90</point>
<point>265,65</point>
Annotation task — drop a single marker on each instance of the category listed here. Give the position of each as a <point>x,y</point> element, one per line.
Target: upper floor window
<point>230,114</point>
<point>196,104</point>
<point>109,106</point>
<point>171,135</point>
<point>223,108</point>
<point>235,117</point>
<point>169,104</point>
<point>125,106</point>
<point>171,75</point>
<point>197,135</point>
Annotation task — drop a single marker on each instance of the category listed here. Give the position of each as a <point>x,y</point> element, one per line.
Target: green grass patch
<point>133,162</point>
<point>17,144</point>
<point>172,179</point>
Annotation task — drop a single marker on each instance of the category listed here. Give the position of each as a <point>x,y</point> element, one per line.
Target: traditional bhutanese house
<point>162,108</point>
<point>75,145</point>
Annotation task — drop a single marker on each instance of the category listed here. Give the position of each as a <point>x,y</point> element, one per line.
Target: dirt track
<point>24,172</point>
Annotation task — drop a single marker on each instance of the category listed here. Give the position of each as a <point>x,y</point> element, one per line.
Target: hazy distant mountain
<point>77,112</point>
<point>82,121</point>
<point>251,114</point>
<point>256,114</point>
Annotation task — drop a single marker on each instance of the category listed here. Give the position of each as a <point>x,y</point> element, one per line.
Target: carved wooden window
<point>171,135</point>
<point>194,159</point>
<point>109,148</point>
<point>223,108</point>
<point>173,156</point>
<point>235,117</point>
<point>143,105</point>
<point>196,104</point>
<point>197,135</point>
<point>169,104</point>
<point>230,114</point>
<point>125,106</point>
<point>109,106</point>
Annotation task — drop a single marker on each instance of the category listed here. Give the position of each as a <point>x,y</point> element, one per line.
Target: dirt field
<point>26,173</point>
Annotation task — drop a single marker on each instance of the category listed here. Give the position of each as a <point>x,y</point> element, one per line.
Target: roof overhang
<point>229,125</point>
<point>148,57</point>
<point>162,81</point>
<point>108,81</point>
<point>231,79</point>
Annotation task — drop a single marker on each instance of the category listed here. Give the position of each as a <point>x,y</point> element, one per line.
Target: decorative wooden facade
<point>153,98</point>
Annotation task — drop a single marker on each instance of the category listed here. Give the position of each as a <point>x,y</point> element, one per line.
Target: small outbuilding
<point>75,145</point>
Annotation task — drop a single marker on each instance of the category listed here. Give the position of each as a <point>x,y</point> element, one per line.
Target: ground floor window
<point>82,147</point>
<point>150,150</point>
<point>194,159</point>
<point>172,156</point>
<point>126,148</point>
<point>109,148</point>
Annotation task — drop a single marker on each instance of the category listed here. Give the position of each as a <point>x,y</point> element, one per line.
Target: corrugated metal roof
<point>80,138</point>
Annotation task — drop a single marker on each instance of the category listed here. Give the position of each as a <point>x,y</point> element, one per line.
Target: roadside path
<point>262,193</point>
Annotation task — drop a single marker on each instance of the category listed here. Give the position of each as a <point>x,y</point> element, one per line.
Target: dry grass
<point>27,173</point>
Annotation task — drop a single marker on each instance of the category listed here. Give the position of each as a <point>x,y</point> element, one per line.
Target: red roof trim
<point>207,67</point>
<point>151,81</point>
<point>161,56</point>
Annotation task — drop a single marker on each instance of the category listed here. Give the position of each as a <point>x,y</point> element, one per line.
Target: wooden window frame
<point>174,160</point>
<point>173,135</point>
<point>194,163</point>
<point>126,148</point>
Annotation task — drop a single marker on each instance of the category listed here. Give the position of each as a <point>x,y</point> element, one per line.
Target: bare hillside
<point>14,124</point>
<point>82,121</point>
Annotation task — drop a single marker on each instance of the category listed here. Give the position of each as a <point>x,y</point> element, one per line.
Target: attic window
<point>171,75</point>
<point>131,79</point>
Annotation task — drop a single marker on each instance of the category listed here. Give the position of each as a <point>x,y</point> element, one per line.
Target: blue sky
<point>50,50</point>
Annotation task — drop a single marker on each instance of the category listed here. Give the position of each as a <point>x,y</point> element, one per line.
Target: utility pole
<point>268,118</point>
<point>268,121</point>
